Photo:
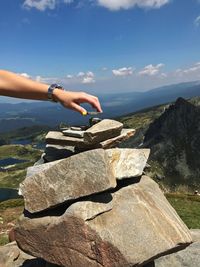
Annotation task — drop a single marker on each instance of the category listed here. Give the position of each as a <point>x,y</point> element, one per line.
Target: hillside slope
<point>174,139</point>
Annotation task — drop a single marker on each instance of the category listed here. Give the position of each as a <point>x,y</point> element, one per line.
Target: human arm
<point>14,85</point>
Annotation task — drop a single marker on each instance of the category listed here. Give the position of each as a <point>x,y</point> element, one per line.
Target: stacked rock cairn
<point>90,204</point>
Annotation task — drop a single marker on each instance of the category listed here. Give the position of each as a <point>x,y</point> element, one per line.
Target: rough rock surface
<point>56,152</point>
<point>12,256</point>
<point>195,235</point>
<point>127,162</point>
<point>57,138</point>
<point>129,226</point>
<point>80,175</point>
<point>71,178</point>
<point>189,257</point>
<point>102,131</point>
<point>39,168</point>
<point>112,142</point>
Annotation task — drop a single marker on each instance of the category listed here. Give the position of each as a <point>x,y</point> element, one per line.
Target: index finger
<point>94,101</point>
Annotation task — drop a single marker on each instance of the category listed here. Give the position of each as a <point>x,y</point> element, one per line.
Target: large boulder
<point>127,226</point>
<point>80,175</point>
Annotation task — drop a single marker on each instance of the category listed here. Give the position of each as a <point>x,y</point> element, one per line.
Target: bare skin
<point>14,85</point>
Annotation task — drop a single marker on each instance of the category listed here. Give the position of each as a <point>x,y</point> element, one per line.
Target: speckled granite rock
<point>129,226</point>
<point>71,178</point>
<point>80,175</point>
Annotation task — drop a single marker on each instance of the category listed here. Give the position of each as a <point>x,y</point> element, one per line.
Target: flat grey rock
<point>56,152</point>
<point>57,138</point>
<point>73,133</point>
<point>112,142</point>
<point>129,227</point>
<point>71,178</point>
<point>109,143</point>
<point>102,131</point>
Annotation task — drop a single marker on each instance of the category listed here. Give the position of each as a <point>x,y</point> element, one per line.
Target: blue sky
<point>102,46</point>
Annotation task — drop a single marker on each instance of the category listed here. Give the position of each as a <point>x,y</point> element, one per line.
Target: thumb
<point>79,109</point>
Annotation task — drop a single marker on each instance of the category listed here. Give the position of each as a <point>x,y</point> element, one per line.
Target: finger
<point>93,101</point>
<point>78,108</point>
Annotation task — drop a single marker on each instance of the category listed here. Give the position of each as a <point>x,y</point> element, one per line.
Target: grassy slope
<point>10,211</point>
<point>143,118</point>
<point>13,176</point>
<point>188,208</point>
<point>34,134</point>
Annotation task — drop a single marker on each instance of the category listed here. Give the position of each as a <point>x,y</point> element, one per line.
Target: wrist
<point>53,91</point>
<point>56,94</point>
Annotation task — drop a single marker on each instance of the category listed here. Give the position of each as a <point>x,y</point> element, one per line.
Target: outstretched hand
<point>72,100</point>
<point>14,85</point>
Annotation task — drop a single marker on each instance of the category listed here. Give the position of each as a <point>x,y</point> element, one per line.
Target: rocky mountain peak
<point>174,139</point>
<point>178,120</point>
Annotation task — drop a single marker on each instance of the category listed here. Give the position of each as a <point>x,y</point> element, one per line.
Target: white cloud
<point>90,74</point>
<point>123,71</point>
<point>126,4</point>
<point>197,21</point>
<point>44,4</point>
<point>89,77</point>
<point>24,74</point>
<point>81,74</point>
<point>194,68</point>
<point>151,70</point>
<point>88,80</point>
<point>86,77</point>
<point>191,70</point>
<point>69,76</point>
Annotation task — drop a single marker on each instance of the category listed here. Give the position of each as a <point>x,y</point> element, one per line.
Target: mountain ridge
<point>174,140</point>
<point>114,105</point>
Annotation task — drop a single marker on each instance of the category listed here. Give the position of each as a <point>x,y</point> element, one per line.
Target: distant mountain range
<point>19,115</point>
